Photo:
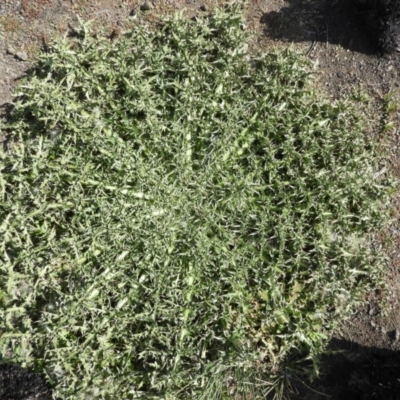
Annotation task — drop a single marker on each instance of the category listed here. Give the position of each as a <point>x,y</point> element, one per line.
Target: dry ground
<point>332,34</point>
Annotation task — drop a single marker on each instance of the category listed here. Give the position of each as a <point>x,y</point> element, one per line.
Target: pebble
<point>146,6</point>
<point>11,50</point>
<point>22,56</point>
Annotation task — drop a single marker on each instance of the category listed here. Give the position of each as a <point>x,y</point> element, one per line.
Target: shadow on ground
<point>18,383</point>
<point>354,373</point>
<point>324,21</point>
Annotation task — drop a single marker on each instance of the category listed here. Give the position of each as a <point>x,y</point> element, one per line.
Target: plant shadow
<point>17,383</point>
<point>332,22</point>
<point>353,372</point>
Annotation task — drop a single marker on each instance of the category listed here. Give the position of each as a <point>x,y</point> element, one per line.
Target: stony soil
<point>333,35</point>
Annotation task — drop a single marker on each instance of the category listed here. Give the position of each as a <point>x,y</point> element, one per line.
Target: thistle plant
<point>181,216</point>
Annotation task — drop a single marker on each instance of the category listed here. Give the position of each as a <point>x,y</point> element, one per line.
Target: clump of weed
<point>179,217</point>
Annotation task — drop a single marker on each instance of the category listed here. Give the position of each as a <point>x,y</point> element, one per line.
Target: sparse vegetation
<point>180,218</point>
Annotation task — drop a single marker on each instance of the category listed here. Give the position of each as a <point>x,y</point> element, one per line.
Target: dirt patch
<point>331,33</point>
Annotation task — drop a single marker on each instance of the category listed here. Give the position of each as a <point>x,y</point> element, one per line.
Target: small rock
<point>21,55</point>
<point>146,6</point>
<point>11,50</point>
<point>132,13</point>
<point>203,8</point>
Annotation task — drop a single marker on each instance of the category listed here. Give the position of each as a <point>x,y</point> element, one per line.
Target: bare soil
<point>332,34</point>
